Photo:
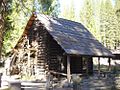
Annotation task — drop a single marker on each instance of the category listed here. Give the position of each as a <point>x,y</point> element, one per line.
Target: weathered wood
<point>53,72</point>
<point>29,61</point>
<point>68,69</point>
<point>35,61</point>
<point>90,65</point>
<point>99,65</point>
<point>109,67</point>
<point>41,52</point>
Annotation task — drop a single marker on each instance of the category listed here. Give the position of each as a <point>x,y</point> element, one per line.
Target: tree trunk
<point>1,33</point>
<point>2,13</point>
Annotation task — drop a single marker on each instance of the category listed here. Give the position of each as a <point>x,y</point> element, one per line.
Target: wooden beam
<point>89,65</point>
<point>109,67</point>
<point>68,69</point>
<point>29,61</point>
<point>99,65</point>
<point>53,72</point>
<point>0,78</point>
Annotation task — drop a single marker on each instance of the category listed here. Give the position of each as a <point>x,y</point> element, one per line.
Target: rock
<point>67,85</point>
<point>15,85</point>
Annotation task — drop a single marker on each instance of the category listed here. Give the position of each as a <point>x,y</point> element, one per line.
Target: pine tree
<point>108,24</point>
<point>87,16</point>
<point>49,7</point>
<point>117,12</point>
<point>69,11</point>
<point>19,13</point>
<point>2,22</point>
<point>96,10</point>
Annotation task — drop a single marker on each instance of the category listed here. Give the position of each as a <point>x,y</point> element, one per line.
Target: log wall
<point>37,33</point>
<point>48,49</point>
<point>54,53</point>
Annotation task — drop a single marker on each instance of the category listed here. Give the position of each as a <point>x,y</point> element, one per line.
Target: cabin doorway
<point>87,63</point>
<point>81,65</point>
<point>76,65</point>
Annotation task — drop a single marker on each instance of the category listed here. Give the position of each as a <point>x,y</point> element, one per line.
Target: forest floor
<point>106,81</point>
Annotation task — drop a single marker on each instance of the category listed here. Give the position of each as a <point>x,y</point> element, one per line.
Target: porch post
<point>68,69</point>
<point>99,65</point>
<point>109,67</point>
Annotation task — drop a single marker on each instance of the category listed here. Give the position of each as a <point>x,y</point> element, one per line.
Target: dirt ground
<point>103,81</point>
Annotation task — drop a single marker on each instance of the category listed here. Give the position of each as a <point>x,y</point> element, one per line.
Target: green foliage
<point>46,6</point>
<point>15,23</point>
<point>2,20</point>
<point>108,25</point>
<point>87,16</point>
<point>49,7</point>
<point>100,18</point>
<point>117,12</point>
<point>69,12</point>
<point>19,13</point>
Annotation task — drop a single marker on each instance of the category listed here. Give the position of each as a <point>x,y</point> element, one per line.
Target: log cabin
<point>57,45</point>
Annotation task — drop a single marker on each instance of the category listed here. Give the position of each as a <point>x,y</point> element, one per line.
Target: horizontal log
<point>41,61</point>
<point>53,72</point>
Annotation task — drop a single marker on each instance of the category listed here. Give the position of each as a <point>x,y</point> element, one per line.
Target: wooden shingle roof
<point>73,37</point>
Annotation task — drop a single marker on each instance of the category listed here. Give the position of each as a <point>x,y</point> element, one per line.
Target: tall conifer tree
<point>87,16</point>
<point>69,11</point>
<point>108,24</point>
<point>19,13</point>
<point>117,12</point>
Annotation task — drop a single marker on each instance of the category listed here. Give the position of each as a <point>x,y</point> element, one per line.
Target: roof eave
<point>79,55</point>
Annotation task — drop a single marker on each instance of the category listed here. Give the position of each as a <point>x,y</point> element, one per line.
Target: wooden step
<point>33,86</point>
